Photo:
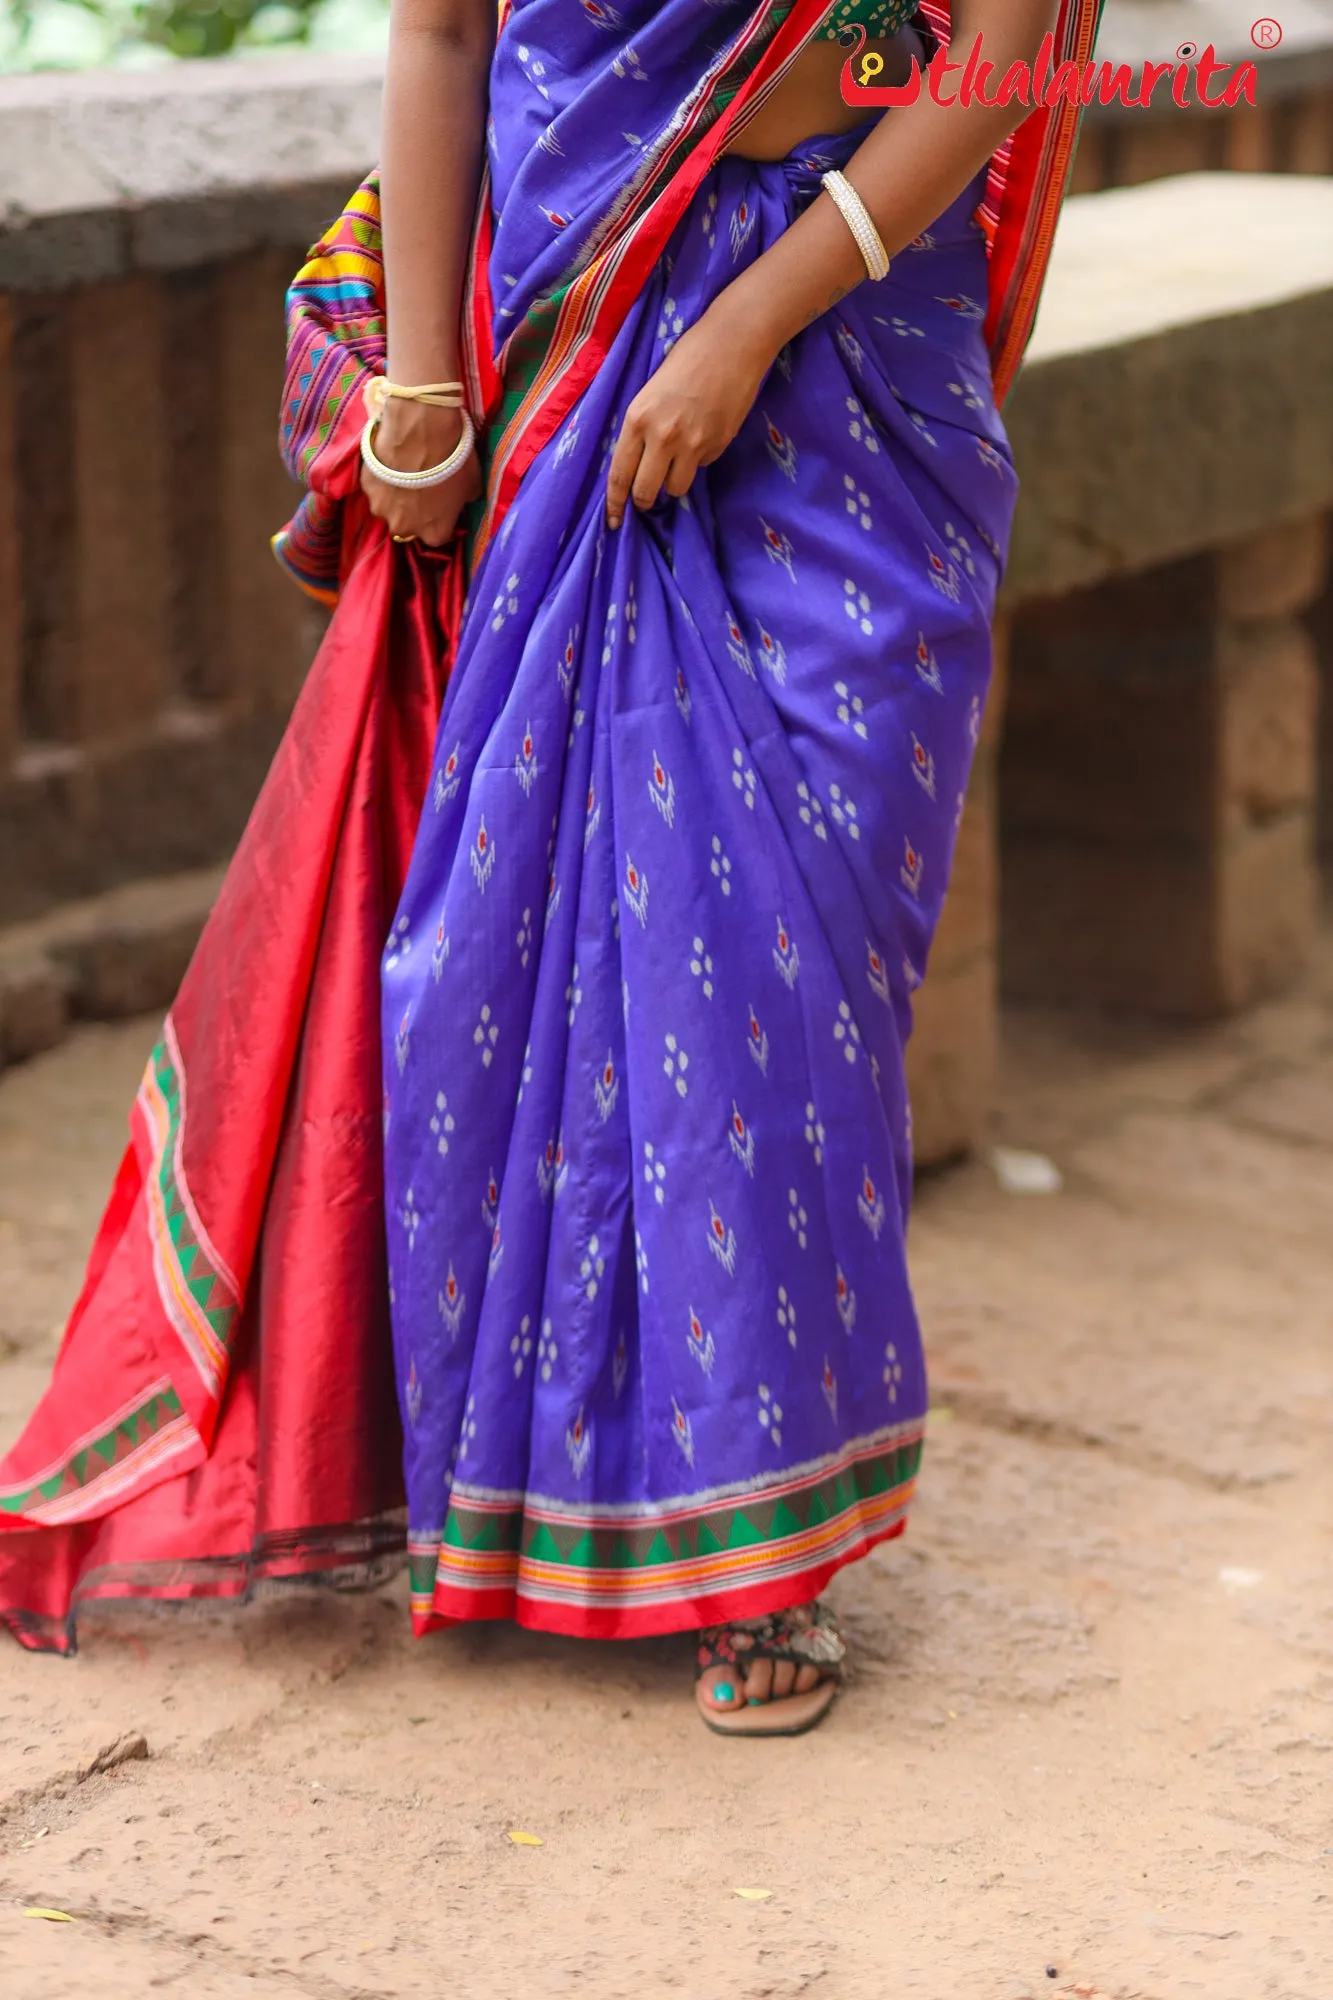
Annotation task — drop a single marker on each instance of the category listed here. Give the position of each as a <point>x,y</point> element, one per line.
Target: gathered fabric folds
<point>520,1179</point>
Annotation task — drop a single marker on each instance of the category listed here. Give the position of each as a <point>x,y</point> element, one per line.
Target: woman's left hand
<point>687,413</point>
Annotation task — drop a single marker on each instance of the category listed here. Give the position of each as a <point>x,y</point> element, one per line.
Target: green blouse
<point>879,18</point>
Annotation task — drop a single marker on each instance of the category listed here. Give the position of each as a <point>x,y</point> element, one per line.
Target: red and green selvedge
<point>622,1572</point>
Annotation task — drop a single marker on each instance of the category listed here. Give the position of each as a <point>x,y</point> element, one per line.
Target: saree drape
<point>640,1134</point>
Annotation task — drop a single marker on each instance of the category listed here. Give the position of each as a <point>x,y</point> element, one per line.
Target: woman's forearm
<point>435,90</point>
<point>917,160</point>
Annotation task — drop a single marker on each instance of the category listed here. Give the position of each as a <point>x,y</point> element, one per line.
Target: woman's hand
<point>411,437</point>
<point>687,413</point>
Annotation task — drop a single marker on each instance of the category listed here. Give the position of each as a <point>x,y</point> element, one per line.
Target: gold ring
<point>404,538</point>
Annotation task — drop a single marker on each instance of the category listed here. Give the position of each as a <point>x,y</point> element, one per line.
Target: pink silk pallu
<point>239,1271</point>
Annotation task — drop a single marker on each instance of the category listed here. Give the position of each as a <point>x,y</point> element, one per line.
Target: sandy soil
<point>1089,1745</point>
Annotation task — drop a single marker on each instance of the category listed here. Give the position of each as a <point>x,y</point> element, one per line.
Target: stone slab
<point>104,172</point>
<point>1176,393</point>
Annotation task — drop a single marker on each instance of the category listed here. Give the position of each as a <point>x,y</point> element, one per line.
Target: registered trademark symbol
<point>1266,32</point>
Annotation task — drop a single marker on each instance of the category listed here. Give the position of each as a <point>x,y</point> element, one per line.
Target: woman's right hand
<point>411,437</point>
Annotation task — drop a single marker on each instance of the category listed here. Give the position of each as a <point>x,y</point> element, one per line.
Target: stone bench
<point>1153,798</point>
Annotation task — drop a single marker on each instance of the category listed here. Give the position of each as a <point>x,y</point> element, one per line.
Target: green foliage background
<point>76,34</point>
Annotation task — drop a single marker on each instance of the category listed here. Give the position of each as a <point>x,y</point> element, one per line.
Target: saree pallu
<point>685,837</point>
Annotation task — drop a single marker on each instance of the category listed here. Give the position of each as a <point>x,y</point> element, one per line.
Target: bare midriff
<point>808,102</point>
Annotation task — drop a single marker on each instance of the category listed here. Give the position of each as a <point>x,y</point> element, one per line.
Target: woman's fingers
<point>624,466</point>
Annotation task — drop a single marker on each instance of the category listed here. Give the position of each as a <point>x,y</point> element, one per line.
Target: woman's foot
<point>773,1676</point>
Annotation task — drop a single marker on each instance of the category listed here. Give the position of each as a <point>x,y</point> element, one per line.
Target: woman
<point>686,832</point>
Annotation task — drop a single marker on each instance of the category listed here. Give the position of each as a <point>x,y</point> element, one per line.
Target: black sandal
<point>807,1635</point>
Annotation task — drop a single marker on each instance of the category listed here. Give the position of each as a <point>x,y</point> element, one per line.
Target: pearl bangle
<point>857,217</point>
<point>434,475</point>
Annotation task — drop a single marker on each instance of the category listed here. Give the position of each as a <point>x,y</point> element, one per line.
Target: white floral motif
<point>520,1346</point>
<point>770,1413</point>
<point>414,1394</point>
<point>973,725</point>
<point>682,694</point>
<point>960,549</point>
<point>923,766</point>
<point>533,68</point>
<point>893,1371</point>
<point>829,1384</point>
<point>757,1042</point>
<point>778,548</point>
<point>592,1269</point>
<point>720,867</point>
<point>609,633</point>
<point>787,1315</point>
<point>743,778</point>
<point>410,1216</point>
<point>548,1351</point>
<point>552,902</point>
<point>722,1241</point>
<point>683,1432</point>
<point>858,502</point>
<point>523,937</point>
<point>861,427</point>
<point>781,448</point>
<point>526,1076</point>
<point>442,1123</point>
<point>567,442</point>
<point>606,1088</point>
<point>927,665</point>
<point>943,576</point>
<point>592,819</point>
<point>877,972</point>
<point>627,64</point>
<point>742,1139</point>
<point>814,1134</point>
<point>846,1033</point>
<point>662,790</point>
<point>505,602</point>
<point>842,810</point>
<point>564,666</point>
<point>525,763</point>
<point>402,1043</point>
<point>400,943</point>
<point>701,965</point>
<point>857,606</point>
<point>914,864</point>
<point>709,218</point>
<point>811,811</point>
<point>797,1220</point>
<point>850,710</point>
<point>737,647</point>
<point>852,351</point>
<point>773,655</point>
<point>485,1035</point>
<point>742,225</point>
<point>468,1431</point>
<point>452,1302</point>
<point>654,1172</point>
<point>785,955</point>
<point>701,1343</point>
<point>972,397</point>
<point>904,328</point>
<point>670,326</point>
<point>448,777</point>
<point>483,856</point>
<point>870,1204</point>
<point>846,1299</point>
<point>573,995</point>
<point>674,1065</point>
<point>439,958</point>
<point>578,1443</point>
<point>636,891</point>
<point>641,1263</point>
<point>497,1250</point>
<point>631,613</point>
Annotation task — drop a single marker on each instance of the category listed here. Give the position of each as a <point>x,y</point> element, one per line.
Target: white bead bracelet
<point>858,219</point>
<point>434,475</point>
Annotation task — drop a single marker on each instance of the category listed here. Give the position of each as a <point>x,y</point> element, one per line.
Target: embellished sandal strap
<point>806,1634</point>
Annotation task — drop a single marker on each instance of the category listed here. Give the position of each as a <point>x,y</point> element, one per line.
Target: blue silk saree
<point>646,996</point>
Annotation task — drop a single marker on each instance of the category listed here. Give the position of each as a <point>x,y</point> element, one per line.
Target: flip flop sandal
<point>807,1635</point>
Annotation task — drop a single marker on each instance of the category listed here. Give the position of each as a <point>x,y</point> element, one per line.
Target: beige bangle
<point>440,395</point>
<point>857,217</point>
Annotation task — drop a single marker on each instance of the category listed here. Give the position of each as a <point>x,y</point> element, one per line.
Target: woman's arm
<point>917,160</point>
<point>434,129</point>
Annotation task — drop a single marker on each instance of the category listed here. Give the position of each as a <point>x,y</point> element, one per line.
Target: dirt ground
<point>1089,1744</point>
